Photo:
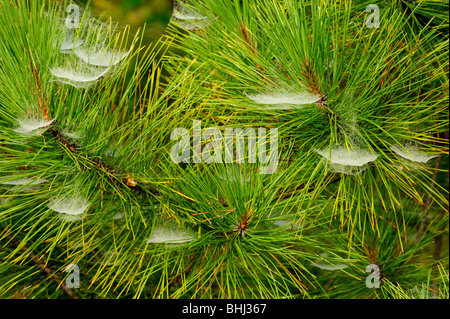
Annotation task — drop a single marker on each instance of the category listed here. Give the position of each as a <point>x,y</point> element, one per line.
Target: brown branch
<point>46,269</point>
<point>42,103</point>
<point>437,258</point>
<point>429,200</point>
<point>311,78</point>
<point>111,174</point>
<point>250,45</point>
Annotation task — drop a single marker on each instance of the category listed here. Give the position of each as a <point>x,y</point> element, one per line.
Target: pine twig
<point>109,171</point>
<point>250,45</point>
<point>48,270</point>
<point>437,258</point>
<point>429,199</point>
<point>42,103</point>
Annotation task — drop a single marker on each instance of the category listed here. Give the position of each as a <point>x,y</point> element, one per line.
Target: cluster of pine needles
<point>94,206</point>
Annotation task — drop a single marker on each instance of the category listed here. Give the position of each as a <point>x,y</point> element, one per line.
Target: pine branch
<point>429,200</point>
<point>250,45</point>
<point>111,173</point>
<point>42,104</point>
<point>55,277</point>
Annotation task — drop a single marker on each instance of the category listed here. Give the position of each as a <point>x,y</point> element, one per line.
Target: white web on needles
<point>77,85</point>
<point>101,57</point>
<point>111,258</point>
<point>68,43</point>
<point>66,39</point>
<point>170,234</point>
<point>32,125</point>
<point>327,265</point>
<point>73,205</point>
<point>31,183</point>
<point>24,181</point>
<point>94,53</point>
<point>118,216</point>
<point>284,100</point>
<point>330,266</point>
<point>342,155</point>
<point>412,152</point>
<point>351,158</point>
<point>288,222</point>
<point>187,17</point>
<point>71,135</point>
<point>79,76</point>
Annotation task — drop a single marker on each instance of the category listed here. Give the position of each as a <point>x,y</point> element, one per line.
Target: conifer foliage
<point>340,189</point>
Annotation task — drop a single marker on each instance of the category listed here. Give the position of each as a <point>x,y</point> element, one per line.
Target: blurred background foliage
<point>154,13</point>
